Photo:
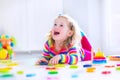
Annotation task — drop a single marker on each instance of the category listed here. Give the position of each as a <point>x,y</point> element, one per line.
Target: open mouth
<point>56,33</point>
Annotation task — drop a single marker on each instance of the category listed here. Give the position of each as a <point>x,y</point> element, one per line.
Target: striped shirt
<point>68,56</point>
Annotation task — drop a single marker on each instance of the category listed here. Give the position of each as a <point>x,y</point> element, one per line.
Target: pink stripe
<point>73,52</point>
<point>46,47</point>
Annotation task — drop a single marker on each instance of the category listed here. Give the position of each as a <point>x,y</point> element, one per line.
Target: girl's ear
<point>70,33</point>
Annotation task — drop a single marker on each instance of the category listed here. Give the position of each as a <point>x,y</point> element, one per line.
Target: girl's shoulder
<point>49,43</point>
<point>72,46</point>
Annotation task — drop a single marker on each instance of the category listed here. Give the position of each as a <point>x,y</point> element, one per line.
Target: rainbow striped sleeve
<point>46,52</point>
<point>71,57</point>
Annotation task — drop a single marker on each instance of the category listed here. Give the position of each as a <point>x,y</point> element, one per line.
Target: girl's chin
<point>56,38</point>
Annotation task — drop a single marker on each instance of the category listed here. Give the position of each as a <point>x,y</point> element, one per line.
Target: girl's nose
<point>56,26</point>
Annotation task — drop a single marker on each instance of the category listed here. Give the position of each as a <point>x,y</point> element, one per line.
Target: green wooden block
<point>20,72</point>
<point>6,75</point>
<point>118,68</point>
<point>73,66</point>
<point>52,72</point>
<point>4,71</point>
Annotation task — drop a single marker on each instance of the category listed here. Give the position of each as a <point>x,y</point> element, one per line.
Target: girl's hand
<point>55,60</point>
<point>40,60</point>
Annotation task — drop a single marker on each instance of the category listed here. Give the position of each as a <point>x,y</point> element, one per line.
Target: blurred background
<point>30,20</point>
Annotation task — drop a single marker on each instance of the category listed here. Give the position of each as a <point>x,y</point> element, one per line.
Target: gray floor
<point>24,55</point>
<point>26,58</point>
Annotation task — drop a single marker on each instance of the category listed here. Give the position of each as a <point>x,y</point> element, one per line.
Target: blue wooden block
<point>87,65</point>
<point>30,75</point>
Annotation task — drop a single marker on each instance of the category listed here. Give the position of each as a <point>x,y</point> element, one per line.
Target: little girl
<point>60,46</point>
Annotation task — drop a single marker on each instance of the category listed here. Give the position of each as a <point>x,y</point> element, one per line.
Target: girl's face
<point>61,30</point>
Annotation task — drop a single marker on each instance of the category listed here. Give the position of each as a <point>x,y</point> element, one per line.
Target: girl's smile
<point>56,33</point>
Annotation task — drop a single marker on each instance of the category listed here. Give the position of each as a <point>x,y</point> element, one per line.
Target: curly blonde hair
<point>73,26</point>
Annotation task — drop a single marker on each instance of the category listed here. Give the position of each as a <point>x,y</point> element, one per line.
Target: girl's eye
<point>55,24</point>
<point>61,25</point>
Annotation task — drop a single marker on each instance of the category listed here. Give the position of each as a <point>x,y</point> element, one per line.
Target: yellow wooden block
<point>5,69</point>
<point>91,69</point>
<point>13,64</point>
<point>5,61</point>
<point>60,65</point>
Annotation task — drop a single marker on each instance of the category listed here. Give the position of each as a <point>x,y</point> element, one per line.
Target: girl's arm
<point>46,53</point>
<point>71,57</point>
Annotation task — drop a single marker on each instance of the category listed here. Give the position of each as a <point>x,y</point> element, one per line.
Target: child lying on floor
<point>60,46</point>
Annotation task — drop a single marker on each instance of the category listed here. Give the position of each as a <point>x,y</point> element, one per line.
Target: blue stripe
<point>52,54</point>
<point>70,62</point>
<point>46,51</point>
<point>82,34</point>
<point>63,52</point>
<point>74,48</point>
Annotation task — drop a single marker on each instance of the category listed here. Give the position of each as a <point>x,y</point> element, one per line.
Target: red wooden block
<point>106,72</point>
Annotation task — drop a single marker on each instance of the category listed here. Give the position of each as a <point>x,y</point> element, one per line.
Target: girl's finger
<point>50,62</point>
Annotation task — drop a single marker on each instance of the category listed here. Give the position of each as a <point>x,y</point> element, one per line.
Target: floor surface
<point>23,67</point>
